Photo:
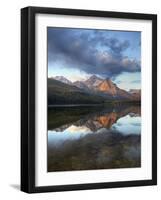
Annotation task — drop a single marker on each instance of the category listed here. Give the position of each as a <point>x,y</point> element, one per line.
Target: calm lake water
<point>94,137</point>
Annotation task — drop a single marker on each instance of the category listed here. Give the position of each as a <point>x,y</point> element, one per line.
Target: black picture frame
<point>28,98</point>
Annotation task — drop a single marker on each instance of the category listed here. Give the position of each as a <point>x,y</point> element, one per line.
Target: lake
<point>93,137</point>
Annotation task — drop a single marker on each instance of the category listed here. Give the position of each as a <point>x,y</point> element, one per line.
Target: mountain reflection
<point>84,138</point>
<point>95,120</point>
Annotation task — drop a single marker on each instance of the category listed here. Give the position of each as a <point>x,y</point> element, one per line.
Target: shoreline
<point>93,105</point>
<point>73,105</point>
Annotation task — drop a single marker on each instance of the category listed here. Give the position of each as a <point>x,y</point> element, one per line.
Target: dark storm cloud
<point>89,50</point>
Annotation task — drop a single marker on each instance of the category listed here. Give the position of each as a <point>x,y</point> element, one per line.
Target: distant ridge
<point>62,79</point>
<point>136,93</point>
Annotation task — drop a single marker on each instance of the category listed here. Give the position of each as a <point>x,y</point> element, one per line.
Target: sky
<point>79,53</point>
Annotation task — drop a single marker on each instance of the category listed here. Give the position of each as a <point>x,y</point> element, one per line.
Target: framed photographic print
<point>88,99</point>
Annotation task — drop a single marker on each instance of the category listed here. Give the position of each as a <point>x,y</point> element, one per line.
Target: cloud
<point>91,51</point>
<point>135,81</point>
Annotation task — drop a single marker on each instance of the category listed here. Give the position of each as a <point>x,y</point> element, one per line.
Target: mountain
<point>62,79</point>
<point>108,87</point>
<point>136,93</point>
<point>93,81</point>
<point>61,93</point>
<point>101,87</point>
